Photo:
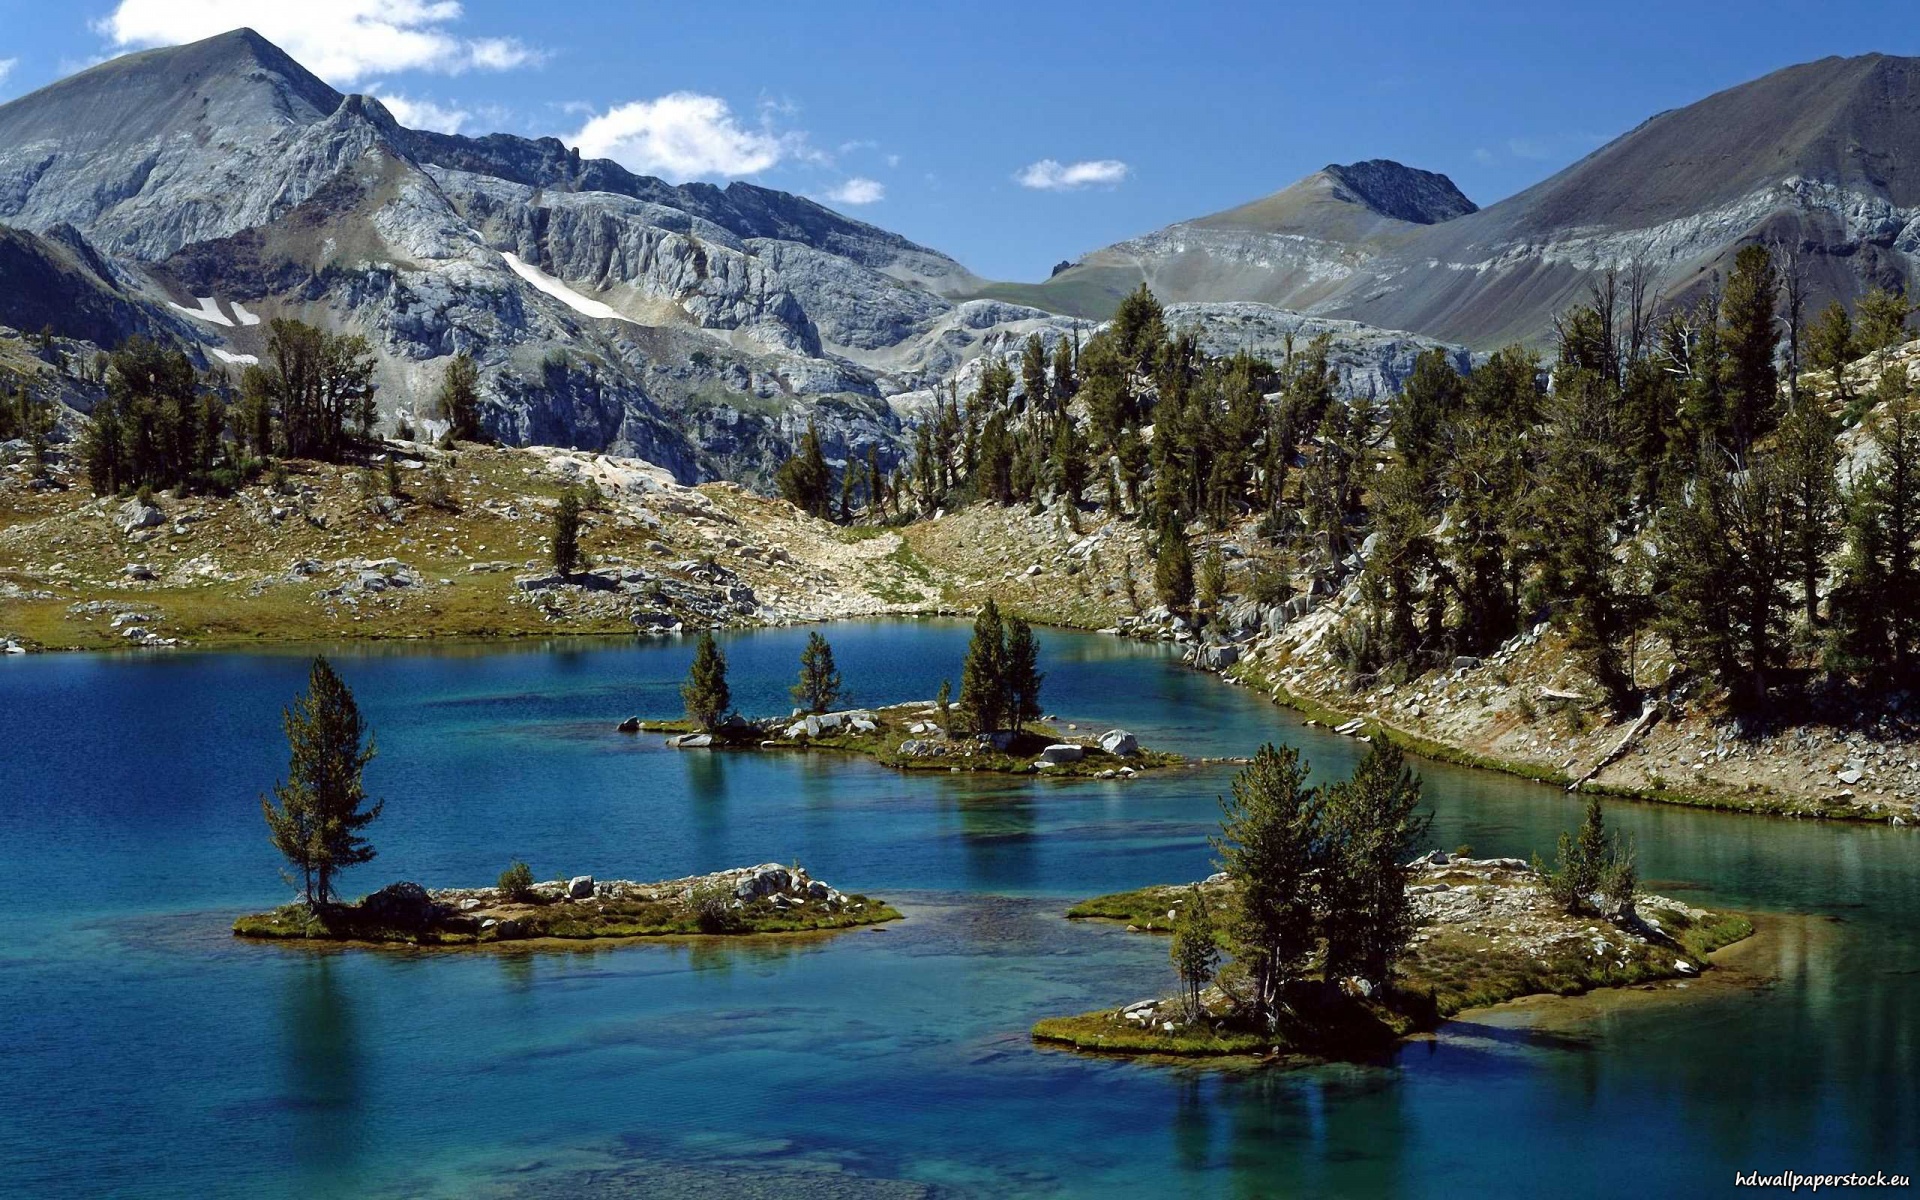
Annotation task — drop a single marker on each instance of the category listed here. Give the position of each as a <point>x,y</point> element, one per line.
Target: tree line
<point>163,424</point>
<point>1663,474</point>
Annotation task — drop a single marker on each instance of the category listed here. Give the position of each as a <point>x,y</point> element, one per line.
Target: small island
<point>994,726</point>
<point>765,899</point>
<point>1340,948</point>
<point>918,736</point>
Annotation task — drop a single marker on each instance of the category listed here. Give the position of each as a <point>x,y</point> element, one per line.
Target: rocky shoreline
<point>764,899</point>
<point>1488,933</point>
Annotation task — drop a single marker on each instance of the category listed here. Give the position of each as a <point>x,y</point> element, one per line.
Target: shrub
<point>516,882</point>
<point>1270,585</point>
<point>713,909</point>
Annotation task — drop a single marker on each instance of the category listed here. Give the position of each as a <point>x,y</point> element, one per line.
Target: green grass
<point>1320,1022</point>
<point>1144,908</point>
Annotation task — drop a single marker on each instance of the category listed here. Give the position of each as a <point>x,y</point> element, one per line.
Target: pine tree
<point>705,693</point>
<point>1830,347</point>
<point>1750,336</point>
<point>1808,459</point>
<point>1023,674</point>
<point>458,402</point>
<point>323,805</point>
<point>1173,573</point>
<point>565,539</point>
<point>1880,320</point>
<point>983,676</point>
<point>805,481</point>
<point>1269,832</point>
<point>1373,827</point>
<point>819,687</point>
<point>1196,949</point>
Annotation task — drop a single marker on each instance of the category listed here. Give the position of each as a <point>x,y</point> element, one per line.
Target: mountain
<point>197,192</point>
<point>1290,249</point>
<point>1824,156</point>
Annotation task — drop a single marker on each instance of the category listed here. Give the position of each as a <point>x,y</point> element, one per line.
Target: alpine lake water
<point>144,1051</point>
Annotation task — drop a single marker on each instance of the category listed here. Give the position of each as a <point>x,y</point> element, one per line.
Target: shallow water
<point>147,1054</point>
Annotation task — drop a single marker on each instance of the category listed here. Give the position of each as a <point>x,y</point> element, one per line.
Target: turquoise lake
<point>143,1052</point>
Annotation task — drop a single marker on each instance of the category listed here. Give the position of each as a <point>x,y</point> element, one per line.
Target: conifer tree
<point>805,481</point>
<point>705,693</point>
<point>1830,347</point>
<point>459,399</point>
<point>1808,459</point>
<point>565,539</point>
<point>1880,320</point>
<point>819,687</point>
<point>1196,948</point>
<point>1750,336</point>
<point>1269,832</point>
<point>1023,674</point>
<point>323,805</point>
<point>983,676</point>
<point>1173,572</point>
<point>1373,827</point>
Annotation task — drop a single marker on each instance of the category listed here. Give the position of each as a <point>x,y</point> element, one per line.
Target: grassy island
<point>914,737</point>
<point>767,899</point>
<point>1488,931</point>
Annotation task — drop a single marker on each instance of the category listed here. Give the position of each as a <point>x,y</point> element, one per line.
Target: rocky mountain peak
<point>1405,193</point>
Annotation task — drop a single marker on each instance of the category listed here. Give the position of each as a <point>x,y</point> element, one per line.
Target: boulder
<point>915,748</point>
<point>1119,743</point>
<point>630,725</point>
<point>1063,752</point>
<point>134,515</point>
<point>691,741</point>
<point>508,929</point>
<point>863,725</point>
<point>1217,658</point>
<point>403,905</point>
<point>580,887</point>
<point>765,880</point>
<point>818,890</point>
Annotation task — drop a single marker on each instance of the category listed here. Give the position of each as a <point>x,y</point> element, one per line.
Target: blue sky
<point>1010,135</point>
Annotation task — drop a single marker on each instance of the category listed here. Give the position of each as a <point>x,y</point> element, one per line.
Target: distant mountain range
<point>196,192</point>
<point>1825,155</point>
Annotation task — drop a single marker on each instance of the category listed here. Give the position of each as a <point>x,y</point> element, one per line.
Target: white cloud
<point>1052,175</point>
<point>6,67</point>
<point>1484,156</point>
<point>685,135</point>
<point>858,191</point>
<point>422,113</point>
<point>342,41</point>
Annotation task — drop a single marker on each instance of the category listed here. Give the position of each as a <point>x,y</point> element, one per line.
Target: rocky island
<point>915,737</point>
<point>764,899</point>
<point>1488,930</point>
